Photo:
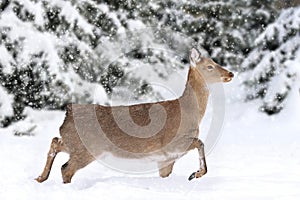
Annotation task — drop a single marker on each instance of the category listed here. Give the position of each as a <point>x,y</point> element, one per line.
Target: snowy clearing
<point>257,157</point>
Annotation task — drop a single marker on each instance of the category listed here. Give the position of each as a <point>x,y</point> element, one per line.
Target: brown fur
<point>88,131</point>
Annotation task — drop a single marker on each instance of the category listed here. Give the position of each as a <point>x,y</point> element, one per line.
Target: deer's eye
<point>210,67</point>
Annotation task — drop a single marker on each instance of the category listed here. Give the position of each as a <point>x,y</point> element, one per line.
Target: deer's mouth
<point>226,79</point>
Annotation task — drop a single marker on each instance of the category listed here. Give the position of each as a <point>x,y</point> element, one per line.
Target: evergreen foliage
<point>272,68</point>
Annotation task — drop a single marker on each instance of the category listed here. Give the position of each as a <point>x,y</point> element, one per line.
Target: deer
<point>162,131</point>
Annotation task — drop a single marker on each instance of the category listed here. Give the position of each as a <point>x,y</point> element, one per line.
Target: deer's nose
<point>231,74</point>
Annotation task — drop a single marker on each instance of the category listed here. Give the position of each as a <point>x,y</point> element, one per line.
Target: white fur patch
<point>52,155</point>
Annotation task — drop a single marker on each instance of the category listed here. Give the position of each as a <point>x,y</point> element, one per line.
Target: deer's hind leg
<point>57,146</point>
<point>76,162</point>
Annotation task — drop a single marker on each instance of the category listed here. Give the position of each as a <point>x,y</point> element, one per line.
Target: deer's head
<point>211,71</point>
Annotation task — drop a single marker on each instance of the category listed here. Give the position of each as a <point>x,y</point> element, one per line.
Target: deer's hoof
<point>197,174</point>
<point>192,176</point>
<point>39,179</point>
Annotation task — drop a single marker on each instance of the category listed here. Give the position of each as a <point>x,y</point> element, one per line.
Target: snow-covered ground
<point>257,157</point>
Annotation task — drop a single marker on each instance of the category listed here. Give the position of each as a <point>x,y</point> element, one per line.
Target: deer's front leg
<point>197,143</point>
<point>165,168</point>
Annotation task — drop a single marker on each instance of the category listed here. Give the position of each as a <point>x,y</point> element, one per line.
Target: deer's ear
<point>195,57</point>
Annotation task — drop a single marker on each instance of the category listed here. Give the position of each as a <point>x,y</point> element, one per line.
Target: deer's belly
<point>164,157</point>
<point>144,158</point>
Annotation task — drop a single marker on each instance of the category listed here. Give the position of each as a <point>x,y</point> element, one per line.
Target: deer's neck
<point>196,91</point>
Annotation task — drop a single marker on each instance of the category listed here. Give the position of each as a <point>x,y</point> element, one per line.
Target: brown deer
<point>162,131</point>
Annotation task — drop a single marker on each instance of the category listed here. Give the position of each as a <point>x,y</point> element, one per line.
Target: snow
<point>104,8</point>
<point>99,94</point>
<point>275,61</point>
<point>5,103</point>
<point>71,14</point>
<point>34,8</point>
<point>43,42</point>
<point>135,24</point>
<point>291,15</point>
<point>257,157</point>
<point>6,60</point>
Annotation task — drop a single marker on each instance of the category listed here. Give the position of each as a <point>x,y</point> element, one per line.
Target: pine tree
<point>272,68</point>
<point>46,53</point>
<point>226,29</point>
<point>53,50</point>
<point>6,110</point>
